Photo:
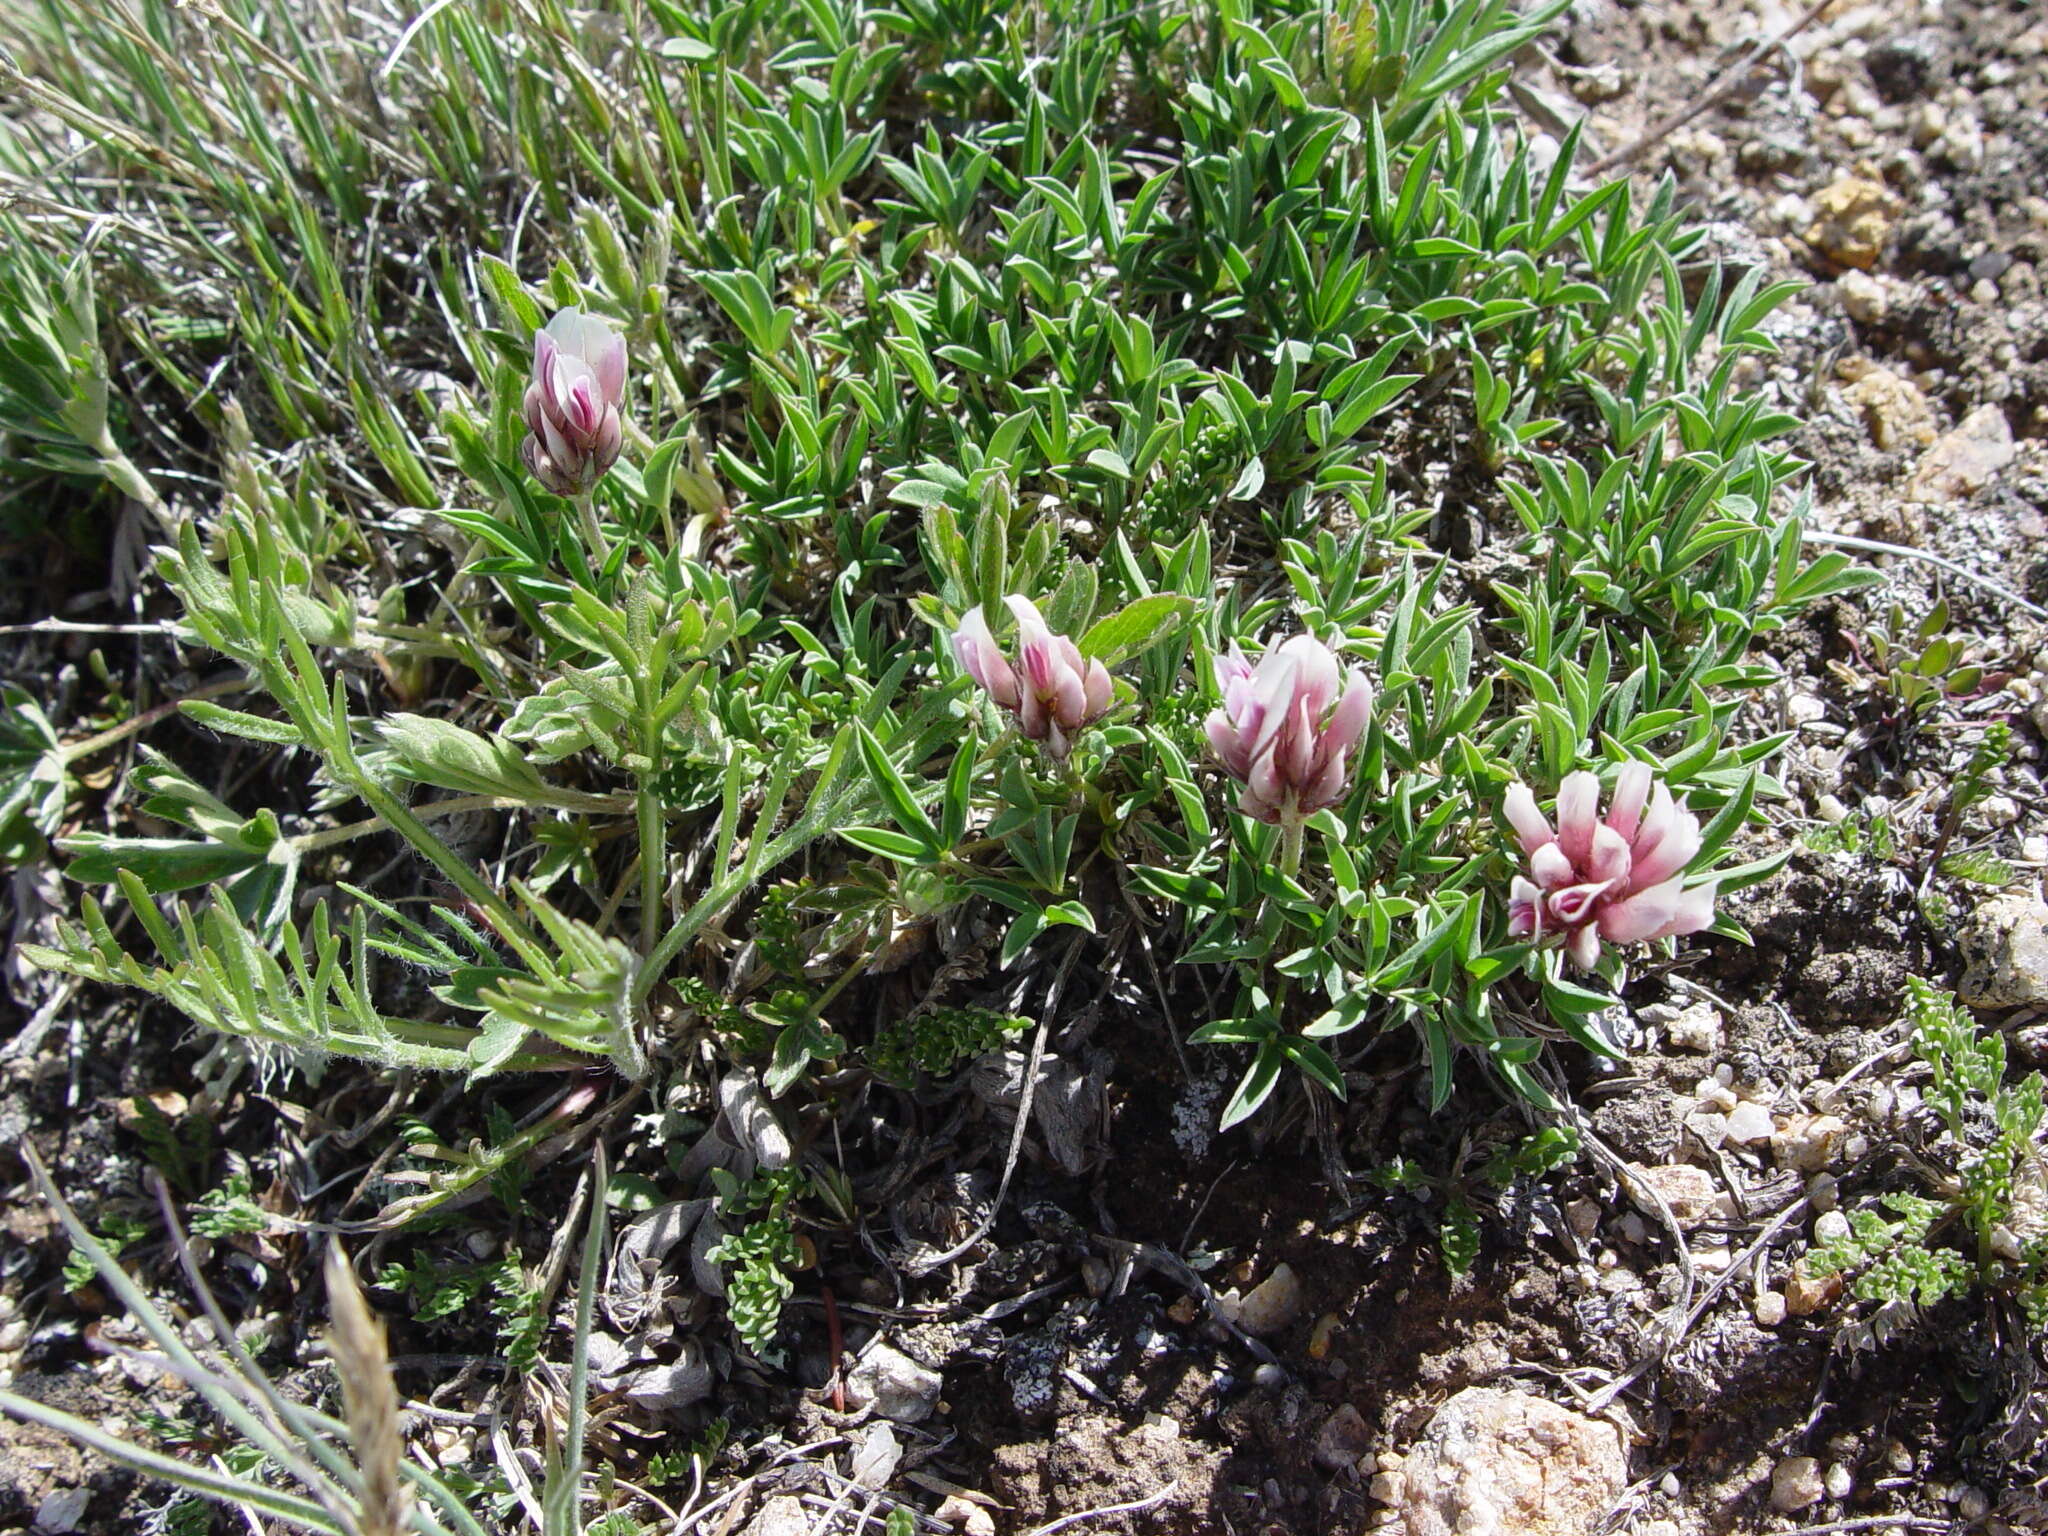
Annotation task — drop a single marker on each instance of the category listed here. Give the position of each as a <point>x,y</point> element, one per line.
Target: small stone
<point>1272,1304</point>
<point>876,1456</point>
<point>783,1515</point>
<point>1829,808</point>
<point>1714,1094</point>
<point>1690,1192</point>
<point>2005,945</point>
<point>1972,1503</point>
<point>1864,298</point>
<point>1503,1463</point>
<point>1388,1487</point>
<point>1839,1482</point>
<point>965,1513</point>
<point>1806,1294</point>
<point>1712,1261</point>
<point>897,1386</point>
<point>1344,1438</point>
<point>1749,1123</point>
<point>1831,1227</point>
<point>1822,1193</point>
<point>1583,1216</point>
<point>1991,266</point>
<point>1770,1309</point>
<point>1796,1483</point>
<point>1805,1143</point>
<point>1852,219</point>
<point>1894,410</point>
<point>1697,1028</point>
<point>1999,810</point>
<point>1804,709</point>
<point>1963,462</point>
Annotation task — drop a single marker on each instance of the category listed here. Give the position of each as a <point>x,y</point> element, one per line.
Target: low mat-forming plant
<point>1975,1212</point>
<point>992,539</point>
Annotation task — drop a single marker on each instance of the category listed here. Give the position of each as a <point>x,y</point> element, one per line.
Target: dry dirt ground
<point>1892,155</point>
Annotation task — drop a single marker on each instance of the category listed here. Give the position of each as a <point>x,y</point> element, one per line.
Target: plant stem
<point>312,842</point>
<point>653,862</point>
<point>1290,847</point>
<point>593,532</point>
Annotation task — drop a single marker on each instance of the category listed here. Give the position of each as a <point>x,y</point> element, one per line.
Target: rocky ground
<point>1195,1334</point>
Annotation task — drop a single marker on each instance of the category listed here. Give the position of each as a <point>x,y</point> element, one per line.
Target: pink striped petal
<point>1631,790</point>
<point>1640,916</point>
<point>1532,829</point>
<point>1578,812</point>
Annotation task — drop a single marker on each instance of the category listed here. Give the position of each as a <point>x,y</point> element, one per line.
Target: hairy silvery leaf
<point>443,754</point>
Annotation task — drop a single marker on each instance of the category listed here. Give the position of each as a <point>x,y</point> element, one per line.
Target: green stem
<point>593,532</point>
<point>653,860</point>
<point>1290,846</point>
<point>569,800</point>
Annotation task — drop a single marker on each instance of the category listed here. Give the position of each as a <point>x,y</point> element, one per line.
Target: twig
<point>1716,87</point>
<point>1870,1523</point>
<point>1136,1506</point>
<point>1880,547</point>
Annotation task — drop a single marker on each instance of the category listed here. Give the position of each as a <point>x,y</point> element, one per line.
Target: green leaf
<point>1136,628</point>
<point>441,753</point>
<point>895,792</point>
<point>1256,1087</point>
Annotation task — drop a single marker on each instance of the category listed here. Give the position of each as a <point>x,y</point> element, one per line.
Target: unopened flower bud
<point>1052,689</point>
<point>572,405</point>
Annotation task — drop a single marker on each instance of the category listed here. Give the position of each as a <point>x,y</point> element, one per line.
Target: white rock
<point>1863,297</point>
<point>1690,1192</point>
<point>1749,1123</point>
<point>1389,1487</point>
<point>1501,1463</point>
<point>1840,1484</point>
<point>968,1515</point>
<point>782,1516</point>
<point>1273,1303</point>
<point>1805,1143</point>
<point>1822,1192</point>
<point>897,1385</point>
<point>1804,708</point>
<point>876,1456</point>
<point>1999,810</point>
<point>1770,1309</point>
<point>1830,1227</point>
<point>1697,1028</point>
<point>2005,943</point>
<point>1796,1483</point>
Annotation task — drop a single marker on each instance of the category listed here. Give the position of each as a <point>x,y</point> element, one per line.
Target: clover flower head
<point>1287,727</point>
<point>1051,688</point>
<point>1618,878</point>
<point>572,404</point>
